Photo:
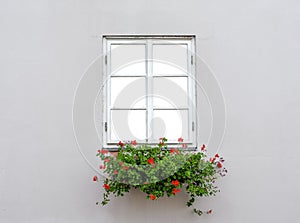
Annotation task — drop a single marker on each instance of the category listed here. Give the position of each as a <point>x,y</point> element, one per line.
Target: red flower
<point>151,161</point>
<point>133,142</point>
<point>217,155</point>
<point>175,191</point>
<point>121,144</point>
<point>121,163</point>
<point>203,147</point>
<point>180,139</point>
<point>106,186</point>
<point>183,145</point>
<point>213,159</point>
<point>125,167</point>
<point>175,183</point>
<point>102,167</point>
<point>103,151</point>
<point>95,178</point>
<point>115,172</point>
<point>219,164</point>
<point>152,197</point>
<point>174,150</point>
<point>106,160</point>
<point>209,212</point>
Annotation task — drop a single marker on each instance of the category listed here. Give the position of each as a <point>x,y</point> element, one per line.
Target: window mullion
<point>149,90</point>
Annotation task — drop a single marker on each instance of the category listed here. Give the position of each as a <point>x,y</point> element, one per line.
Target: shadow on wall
<point>134,206</point>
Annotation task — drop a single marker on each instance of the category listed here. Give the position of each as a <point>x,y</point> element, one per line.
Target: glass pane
<point>128,60</point>
<point>128,92</point>
<point>171,124</point>
<point>128,125</point>
<point>170,92</point>
<point>170,59</point>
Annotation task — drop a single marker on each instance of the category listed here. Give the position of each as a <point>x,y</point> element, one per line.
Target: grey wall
<point>253,48</point>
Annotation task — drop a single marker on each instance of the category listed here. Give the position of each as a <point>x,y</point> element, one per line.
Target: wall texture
<point>253,48</point>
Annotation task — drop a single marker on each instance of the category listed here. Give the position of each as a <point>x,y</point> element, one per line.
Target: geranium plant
<point>160,171</point>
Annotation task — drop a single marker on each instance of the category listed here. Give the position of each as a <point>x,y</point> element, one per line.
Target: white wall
<point>253,48</point>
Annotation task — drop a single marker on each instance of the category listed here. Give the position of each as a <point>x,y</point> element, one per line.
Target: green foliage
<point>159,171</point>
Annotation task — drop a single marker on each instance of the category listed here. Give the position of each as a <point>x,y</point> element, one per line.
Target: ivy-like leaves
<point>158,171</point>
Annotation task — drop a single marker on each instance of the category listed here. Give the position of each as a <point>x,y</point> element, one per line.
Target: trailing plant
<point>160,171</point>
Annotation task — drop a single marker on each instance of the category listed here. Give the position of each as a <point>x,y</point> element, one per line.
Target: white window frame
<point>149,41</point>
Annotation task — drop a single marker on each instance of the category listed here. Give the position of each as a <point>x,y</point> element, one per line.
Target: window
<point>149,89</point>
